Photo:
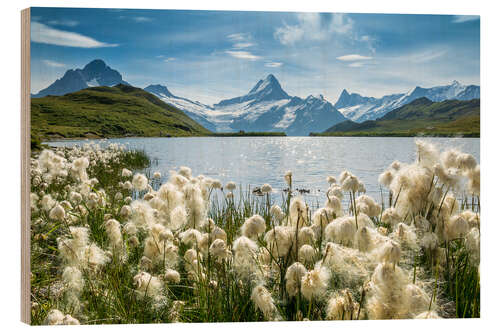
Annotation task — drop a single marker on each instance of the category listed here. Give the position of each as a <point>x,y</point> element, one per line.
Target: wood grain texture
<point>25,165</point>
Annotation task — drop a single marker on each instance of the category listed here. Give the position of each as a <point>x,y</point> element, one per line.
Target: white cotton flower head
<point>95,256</point>
<point>142,214</point>
<point>474,180</point>
<point>57,213</point>
<point>473,218</point>
<point>341,306</point>
<point>386,177</point>
<point>66,205</point>
<point>306,236</point>
<point>389,252</point>
<point>331,180</point>
<point>417,300</point>
<point>350,183</point>
<point>191,255</point>
<point>185,172</point>
<point>118,196</point>
<point>54,317</point>
<point>473,244</point>
<point>113,229</point>
<point>216,184</point>
<point>365,204</point>
<point>361,187</point>
<point>279,240</point>
<point>130,228</point>
<point>266,188</point>
<point>307,254</point>
<point>288,178</point>
<point>244,246</point>
<point>253,226</point>
<point>427,154</point>
<point>47,202</point>
<point>293,278</point>
<point>69,320</point>
<point>367,239</point>
<point>231,186</point>
<point>75,197</point>
<point>277,212</point>
<point>190,237</point>
<point>178,218</point>
<point>315,282</point>
<point>219,250</point>
<point>336,191</point>
<point>333,207</point>
<point>466,162</point>
<point>387,294</point>
<point>321,218</point>
<point>72,278</point>
<point>157,175</point>
<point>125,211</point>
<point>455,227</point>
<point>341,230</point>
<point>391,217</point>
<point>140,182</point>
<point>298,212</point>
<point>172,276</point>
<point>218,233</point>
<point>263,301</point>
<point>450,177</point>
<point>405,235</point>
<point>429,241</point>
<point>147,285</point>
<point>126,173</point>
<point>128,185</point>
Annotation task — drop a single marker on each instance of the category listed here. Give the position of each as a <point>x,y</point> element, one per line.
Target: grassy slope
<point>109,112</point>
<point>420,117</point>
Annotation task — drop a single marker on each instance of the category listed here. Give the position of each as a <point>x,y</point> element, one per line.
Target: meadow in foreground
<point>112,246</point>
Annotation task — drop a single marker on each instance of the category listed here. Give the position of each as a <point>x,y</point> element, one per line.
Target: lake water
<point>253,161</point>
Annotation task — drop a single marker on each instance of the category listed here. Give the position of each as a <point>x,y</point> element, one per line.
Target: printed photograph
<point>234,166</point>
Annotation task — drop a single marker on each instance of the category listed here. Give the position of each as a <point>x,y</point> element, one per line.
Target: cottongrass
<point>112,245</point>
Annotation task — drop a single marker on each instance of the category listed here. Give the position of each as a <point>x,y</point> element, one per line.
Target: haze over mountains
<point>267,106</point>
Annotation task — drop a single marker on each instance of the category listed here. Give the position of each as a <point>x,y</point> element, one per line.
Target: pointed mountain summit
<point>95,73</point>
<point>268,89</point>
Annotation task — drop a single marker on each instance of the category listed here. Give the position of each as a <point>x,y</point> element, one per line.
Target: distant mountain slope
<point>359,108</point>
<point>196,110</point>
<point>266,108</point>
<point>95,73</point>
<point>420,116</point>
<point>109,111</point>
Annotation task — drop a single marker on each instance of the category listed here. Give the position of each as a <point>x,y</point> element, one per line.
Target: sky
<point>208,56</point>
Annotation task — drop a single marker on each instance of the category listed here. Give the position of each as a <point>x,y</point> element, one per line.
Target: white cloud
<point>426,56</point>
<point>311,26</point>
<point>464,18</point>
<point>353,57</point>
<point>238,36</point>
<point>243,55</point>
<point>356,64</point>
<point>51,63</point>
<point>169,59</point>
<point>273,64</point>
<point>66,23</point>
<point>242,45</point>
<point>142,19</point>
<point>41,33</point>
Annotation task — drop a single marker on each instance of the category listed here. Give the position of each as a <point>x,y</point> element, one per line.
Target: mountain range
<point>95,73</point>
<point>420,116</point>
<point>266,107</point>
<point>359,108</point>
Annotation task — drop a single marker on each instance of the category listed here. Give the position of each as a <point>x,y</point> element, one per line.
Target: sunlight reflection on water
<point>253,161</point>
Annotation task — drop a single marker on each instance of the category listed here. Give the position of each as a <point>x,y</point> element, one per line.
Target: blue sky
<point>211,55</point>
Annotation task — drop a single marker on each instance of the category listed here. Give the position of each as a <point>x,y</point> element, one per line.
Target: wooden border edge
<point>25,166</point>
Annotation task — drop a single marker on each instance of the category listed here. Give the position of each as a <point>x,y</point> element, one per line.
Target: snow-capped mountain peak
<point>359,108</point>
<point>95,73</point>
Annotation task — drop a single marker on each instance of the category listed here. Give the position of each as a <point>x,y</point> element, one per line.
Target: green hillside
<point>117,111</point>
<point>420,117</point>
